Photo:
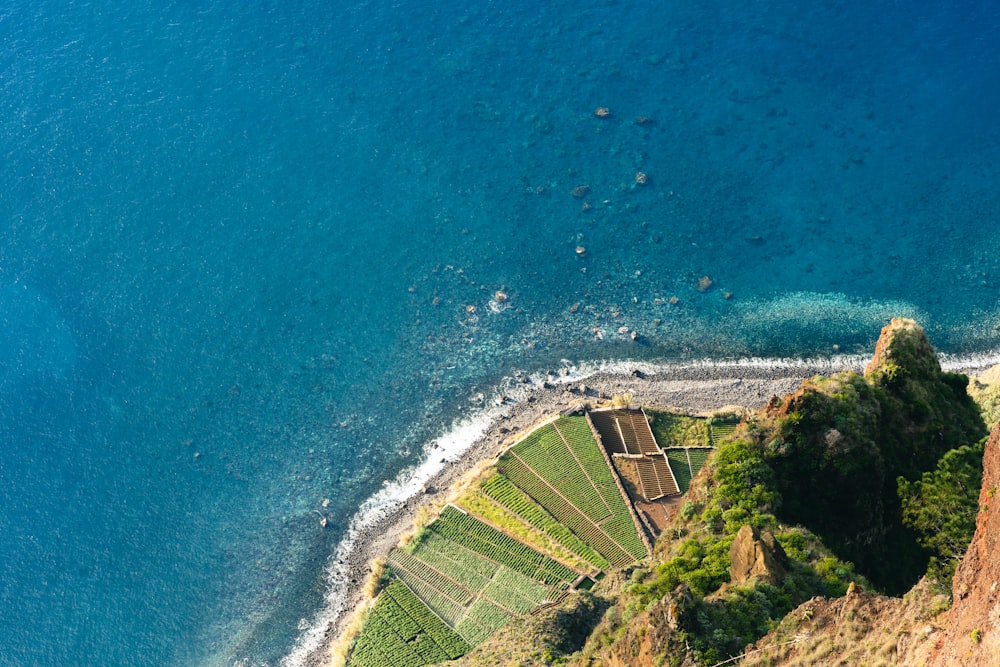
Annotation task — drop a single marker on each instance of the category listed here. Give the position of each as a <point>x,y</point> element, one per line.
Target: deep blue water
<point>248,251</point>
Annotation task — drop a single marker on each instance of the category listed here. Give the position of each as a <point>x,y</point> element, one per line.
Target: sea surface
<point>255,256</point>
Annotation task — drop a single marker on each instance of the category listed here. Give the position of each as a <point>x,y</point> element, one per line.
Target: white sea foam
<point>438,453</point>
<point>466,432</point>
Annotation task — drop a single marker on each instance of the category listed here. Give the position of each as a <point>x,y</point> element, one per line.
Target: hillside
<point>797,517</point>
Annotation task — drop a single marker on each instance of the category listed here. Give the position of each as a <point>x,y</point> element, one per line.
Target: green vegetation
<point>561,467</point>
<point>871,472</point>
<point>838,445</point>
<point>674,430</point>
<point>545,452</point>
<point>679,465</point>
<point>490,511</point>
<point>402,631</point>
<point>501,490</point>
<point>720,429</point>
<point>481,538</point>
<point>685,462</point>
<point>941,507</point>
<point>716,622</point>
<point>697,458</point>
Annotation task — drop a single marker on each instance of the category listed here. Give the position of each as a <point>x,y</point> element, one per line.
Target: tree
<point>942,505</point>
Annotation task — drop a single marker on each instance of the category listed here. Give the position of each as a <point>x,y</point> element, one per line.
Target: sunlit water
<point>250,258</point>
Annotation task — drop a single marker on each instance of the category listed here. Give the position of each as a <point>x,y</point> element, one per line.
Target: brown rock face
<point>756,556</point>
<point>973,634</point>
<point>903,342</point>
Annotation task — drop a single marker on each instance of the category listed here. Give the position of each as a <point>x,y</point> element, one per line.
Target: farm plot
<point>477,536</point>
<point>402,631</point>
<point>697,457</point>
<point>564,511</point>
<point>504,492</point>
<point>574,484</point>
<point>719,430</point>
<point>486,509</point>
<point>480,574</point>
<point>545,452</point>
<point>679,464</point>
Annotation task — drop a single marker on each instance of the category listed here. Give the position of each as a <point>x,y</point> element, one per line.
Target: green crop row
<point>448,558</point>
<point>379,645</point>
<point>389,611</point>
<point>456,569</point>
<point>366,654</point>
<point>401,560</point>
<point>470,560</point>
<point>488,615</point>
<point>369,651</point>
<point>549,457</point>
<point>568,515</point>
<point>478,536</point>
<point>679,465</point>
<point>718,431</point>
<point>473,632</point>
<point>437,630</point>
<point>581,440</point>
<point>524,586</point>
<point>442,605</point>
<point>698,458</point>
<point>500,489</point>
<point>508,598</point>
<point>622,530</point>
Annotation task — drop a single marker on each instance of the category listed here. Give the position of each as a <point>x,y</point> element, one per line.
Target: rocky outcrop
<point>841,442</point>
<point>973,628</point>
<point>651,635</point>
<point>903,345</point>
<point>753,555</point>
<point>860,628</point>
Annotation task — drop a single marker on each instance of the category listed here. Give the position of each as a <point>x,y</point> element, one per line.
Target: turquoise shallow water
<point>249,251</point>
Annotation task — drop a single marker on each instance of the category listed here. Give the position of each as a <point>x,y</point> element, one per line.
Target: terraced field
<point>682,468</point>
<point>504,492</point>
<point>462,578</point>
<point>686,462</point>
<point>474,577</point>
<point>563,461</point>
<point>720,430</point>
<point>401,631</point>
<point>698,456</point>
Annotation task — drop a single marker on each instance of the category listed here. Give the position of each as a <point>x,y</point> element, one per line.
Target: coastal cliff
<point>972,632</point>
<point>794,541</point>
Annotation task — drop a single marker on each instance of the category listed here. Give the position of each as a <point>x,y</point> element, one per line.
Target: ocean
<point>255,257</point>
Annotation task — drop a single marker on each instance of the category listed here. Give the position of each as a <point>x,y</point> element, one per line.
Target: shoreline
<point>693,388</point>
